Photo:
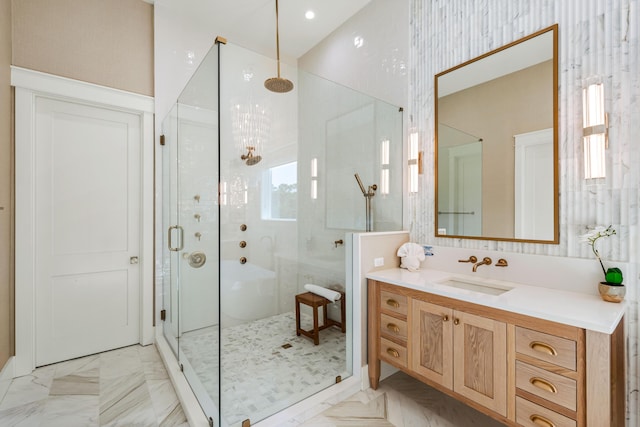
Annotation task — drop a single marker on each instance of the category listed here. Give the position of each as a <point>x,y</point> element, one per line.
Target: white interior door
<point>87,229</point>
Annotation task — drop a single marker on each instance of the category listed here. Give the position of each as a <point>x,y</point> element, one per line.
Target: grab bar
<point>456,213</point>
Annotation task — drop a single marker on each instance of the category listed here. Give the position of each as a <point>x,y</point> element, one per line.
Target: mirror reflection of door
<point>460,183</point>
<point>466,190</point>
<point>534,185</point>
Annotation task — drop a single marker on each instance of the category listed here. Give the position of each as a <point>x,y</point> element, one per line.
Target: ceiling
<point>252,23</point>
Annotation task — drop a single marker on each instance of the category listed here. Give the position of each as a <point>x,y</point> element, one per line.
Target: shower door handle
<point>180,235</point>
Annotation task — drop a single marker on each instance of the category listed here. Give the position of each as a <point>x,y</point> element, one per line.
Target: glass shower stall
<point>258,194</point>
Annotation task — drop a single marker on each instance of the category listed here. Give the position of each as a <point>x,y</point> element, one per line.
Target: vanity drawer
<point>529,414</point>
<point>393,353</point>
<point>396,303</point>
<point>546,347</point>
<point>547,385</point>
<point>393,327</point>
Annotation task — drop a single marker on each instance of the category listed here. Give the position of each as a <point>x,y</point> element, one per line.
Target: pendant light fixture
<point>278,84</point>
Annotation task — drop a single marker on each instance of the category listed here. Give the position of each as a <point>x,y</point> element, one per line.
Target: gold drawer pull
<point>393,303</point>
<point>543,348</point>
<point>543,385</point>
<point>393,352</point>
<point>393,327</point>
<point>541,421</point>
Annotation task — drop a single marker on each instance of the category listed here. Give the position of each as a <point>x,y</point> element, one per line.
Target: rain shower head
<point>278,84</point>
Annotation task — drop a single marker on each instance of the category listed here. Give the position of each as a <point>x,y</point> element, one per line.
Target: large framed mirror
<point>496,171</point>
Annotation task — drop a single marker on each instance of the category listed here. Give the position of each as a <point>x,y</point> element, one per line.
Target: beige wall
<point>6,130</point>
<point>501,98</point>
<point>109,43</point>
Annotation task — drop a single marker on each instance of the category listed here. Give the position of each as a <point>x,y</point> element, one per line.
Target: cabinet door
<point>431,343</point>
<point>480,360</point>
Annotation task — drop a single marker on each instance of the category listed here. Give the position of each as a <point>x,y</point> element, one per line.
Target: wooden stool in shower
<point>316,301</point>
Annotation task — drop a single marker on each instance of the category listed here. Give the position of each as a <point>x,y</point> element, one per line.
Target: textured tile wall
<point>596,38</point>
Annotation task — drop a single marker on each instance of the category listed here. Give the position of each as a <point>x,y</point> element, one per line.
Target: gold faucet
<point>485,261</point>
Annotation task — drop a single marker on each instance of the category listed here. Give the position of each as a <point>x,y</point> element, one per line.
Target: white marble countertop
<point>571,308</point>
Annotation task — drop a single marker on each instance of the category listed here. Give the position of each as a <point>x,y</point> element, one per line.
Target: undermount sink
<point>476,286</point>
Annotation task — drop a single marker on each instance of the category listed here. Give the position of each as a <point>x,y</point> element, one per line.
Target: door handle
<point>133,260</point>
<point>170,238</point>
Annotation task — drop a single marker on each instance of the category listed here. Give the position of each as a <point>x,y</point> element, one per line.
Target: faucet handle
<point>472,258</point>
<point>502,263</point>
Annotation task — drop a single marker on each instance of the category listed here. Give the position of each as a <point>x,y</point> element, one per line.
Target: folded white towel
<point>412,254</point>
<point>323,292</point>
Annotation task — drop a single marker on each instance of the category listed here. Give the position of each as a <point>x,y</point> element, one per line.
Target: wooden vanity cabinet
<point>477,368</point>
<point>520,370</point>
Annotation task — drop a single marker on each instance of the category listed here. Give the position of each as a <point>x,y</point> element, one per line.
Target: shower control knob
<point>243,260</point>
<point>243,244</point>
<point>243,227</point>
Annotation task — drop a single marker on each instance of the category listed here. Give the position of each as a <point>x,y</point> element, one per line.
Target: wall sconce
<point>314,178</point>
<point>415,161</point>
<point>595,131</point>
<point>384,167</point>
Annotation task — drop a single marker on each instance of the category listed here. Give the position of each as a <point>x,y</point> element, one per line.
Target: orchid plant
<point>612,275</point>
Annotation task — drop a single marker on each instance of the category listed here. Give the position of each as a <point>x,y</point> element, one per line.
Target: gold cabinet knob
<point>456,321</point>
<point>445,318</point>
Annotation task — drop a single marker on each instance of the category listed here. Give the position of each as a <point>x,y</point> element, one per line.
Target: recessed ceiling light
<point>310,14</point>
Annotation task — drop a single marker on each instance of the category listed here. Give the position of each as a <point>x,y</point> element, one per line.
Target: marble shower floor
<point>265,366</point>
<point>123,387</point>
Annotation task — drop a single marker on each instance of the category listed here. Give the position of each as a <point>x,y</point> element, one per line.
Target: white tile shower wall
<point>596,38</point>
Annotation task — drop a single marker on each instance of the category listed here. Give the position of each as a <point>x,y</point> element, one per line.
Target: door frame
<point>29,86</point>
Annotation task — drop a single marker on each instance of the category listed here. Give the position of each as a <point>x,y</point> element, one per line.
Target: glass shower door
<point>191,191</point>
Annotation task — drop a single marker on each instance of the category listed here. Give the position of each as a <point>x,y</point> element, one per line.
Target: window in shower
<point>280,192</point>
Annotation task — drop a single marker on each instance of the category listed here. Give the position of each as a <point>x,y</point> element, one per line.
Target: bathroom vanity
<point>524,355</point>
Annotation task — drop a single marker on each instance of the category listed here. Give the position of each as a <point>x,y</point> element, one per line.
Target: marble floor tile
<point>26,415</point>
<point>71,410</point>
<point>29,388</point>
<point>123,387</point>
<point>126,398</point>
<point>407,403</point>
<point>85,382</point>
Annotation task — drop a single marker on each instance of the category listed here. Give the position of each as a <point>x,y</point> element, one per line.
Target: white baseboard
<point>6,376</point>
